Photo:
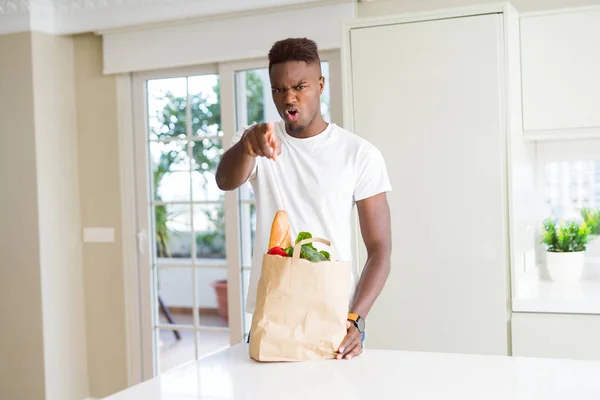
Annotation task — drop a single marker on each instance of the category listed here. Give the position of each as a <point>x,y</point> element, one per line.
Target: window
<point>200,238</point>
<point>568,177</point>
<point>570,186</point>
<point>184,139</point>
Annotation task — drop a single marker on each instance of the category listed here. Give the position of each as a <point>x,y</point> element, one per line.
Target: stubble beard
<point>295,129</point>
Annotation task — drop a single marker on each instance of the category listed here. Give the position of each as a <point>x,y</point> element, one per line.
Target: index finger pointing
<point>275,143</point>
<point>270,127</point>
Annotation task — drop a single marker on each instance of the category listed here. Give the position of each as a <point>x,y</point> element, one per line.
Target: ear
<point>321,84</point>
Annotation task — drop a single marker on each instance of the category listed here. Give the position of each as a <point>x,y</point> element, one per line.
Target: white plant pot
<point>593,246</point>
<point>565,267</point>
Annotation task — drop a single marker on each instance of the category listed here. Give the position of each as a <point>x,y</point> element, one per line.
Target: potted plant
<point>591,216</point>
<point>220,288</point>
<point>565,249</point>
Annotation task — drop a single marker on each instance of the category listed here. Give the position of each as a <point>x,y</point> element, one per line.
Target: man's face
<point>297,89</point>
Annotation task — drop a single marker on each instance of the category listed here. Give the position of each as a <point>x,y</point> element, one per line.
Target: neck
<point>316,126</point>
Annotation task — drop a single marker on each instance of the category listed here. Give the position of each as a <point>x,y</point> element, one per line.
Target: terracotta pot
<point>221,292</point>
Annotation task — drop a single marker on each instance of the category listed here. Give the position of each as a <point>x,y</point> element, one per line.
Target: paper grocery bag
<point>301,307</point>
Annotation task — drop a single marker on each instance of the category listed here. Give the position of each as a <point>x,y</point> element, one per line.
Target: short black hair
<point>294,49</point>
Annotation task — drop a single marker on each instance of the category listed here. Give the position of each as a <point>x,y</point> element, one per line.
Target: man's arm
<point>235,167</point>
<point>375,226</point>
<point>238,162</point>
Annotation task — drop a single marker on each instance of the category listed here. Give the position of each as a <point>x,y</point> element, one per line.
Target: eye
<point>300,87</point>
<point>275,90</point>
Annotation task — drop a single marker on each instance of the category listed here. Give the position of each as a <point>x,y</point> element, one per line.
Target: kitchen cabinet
<point>556,336</point>
<point>561,74</point>
<point>439,95</point>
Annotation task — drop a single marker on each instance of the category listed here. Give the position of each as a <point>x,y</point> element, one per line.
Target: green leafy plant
<point>206,153</point>
<point>565,237</point>
<point>591,216</point>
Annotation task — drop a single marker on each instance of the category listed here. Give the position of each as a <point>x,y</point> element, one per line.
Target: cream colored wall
<point>384,7</point>
<point>100,206</point>
<point>59,218</point>
<point>62,301</point>
<point>21,341</point>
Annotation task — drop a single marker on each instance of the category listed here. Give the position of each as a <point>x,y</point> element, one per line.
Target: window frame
<point>558,151</point>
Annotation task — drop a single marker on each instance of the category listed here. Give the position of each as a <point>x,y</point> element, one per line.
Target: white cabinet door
<point>556,336</point>
<point>561,74</point>
<point>429,95</point>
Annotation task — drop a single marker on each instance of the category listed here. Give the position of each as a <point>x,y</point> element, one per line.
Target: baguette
<point>281,235</point>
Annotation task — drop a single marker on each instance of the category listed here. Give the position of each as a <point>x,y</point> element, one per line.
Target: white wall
<point>65,355</point>
<point>384,7</point>
<point>222,39</point>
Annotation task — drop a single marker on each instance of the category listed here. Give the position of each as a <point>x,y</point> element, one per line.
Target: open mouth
<point>292,114</point>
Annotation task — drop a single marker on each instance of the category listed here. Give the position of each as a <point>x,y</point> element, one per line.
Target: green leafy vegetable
<point>302,236</point>
<point>310,254</point>
<point>308,251</point>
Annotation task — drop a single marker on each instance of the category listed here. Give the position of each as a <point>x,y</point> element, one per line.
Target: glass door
<point>183,215</point>
<point>195,242</point>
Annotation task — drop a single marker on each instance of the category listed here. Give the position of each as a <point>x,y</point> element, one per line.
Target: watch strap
<point>353,317</point>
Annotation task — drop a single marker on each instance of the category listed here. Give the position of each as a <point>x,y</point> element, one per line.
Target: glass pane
<point>167,108</point>
<point>211,290</point>
<point>325,99</point>
<point>247,319</point>
<point>173,236</point>
<point>209,230</point>
<point>173,351</point>
<point>570,187</point>
<point>253,97</point>
<point>255,102</point>
<point>246,192</point>
<point>247,232</point>
<point>170,171</point>
<point>206,155</point>
<point>175,301</point>
<point>205,93</point>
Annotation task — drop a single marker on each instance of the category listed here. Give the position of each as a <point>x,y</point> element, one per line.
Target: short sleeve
<point>237,136</point>
<point>371,173</point>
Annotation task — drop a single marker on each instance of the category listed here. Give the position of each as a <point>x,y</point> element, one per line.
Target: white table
<point>377,375</point>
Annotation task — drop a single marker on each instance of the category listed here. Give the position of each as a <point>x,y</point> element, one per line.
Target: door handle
<point>140,241</point>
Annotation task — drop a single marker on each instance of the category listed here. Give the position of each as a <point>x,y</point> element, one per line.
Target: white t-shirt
<point>317,181</point>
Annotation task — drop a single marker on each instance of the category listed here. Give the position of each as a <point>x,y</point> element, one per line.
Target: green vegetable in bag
<point>308,251</point>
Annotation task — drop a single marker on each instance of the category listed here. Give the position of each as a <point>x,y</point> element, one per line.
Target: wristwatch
<point>357,321</point>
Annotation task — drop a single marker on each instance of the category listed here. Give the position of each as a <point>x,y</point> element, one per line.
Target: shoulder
<point>353,142</point>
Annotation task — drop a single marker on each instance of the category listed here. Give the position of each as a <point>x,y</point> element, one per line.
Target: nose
<point>289,97</point>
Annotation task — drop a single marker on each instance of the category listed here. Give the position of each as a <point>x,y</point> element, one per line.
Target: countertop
<point>377,374</point>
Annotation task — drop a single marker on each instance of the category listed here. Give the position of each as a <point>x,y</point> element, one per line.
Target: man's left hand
<point>352,344</point>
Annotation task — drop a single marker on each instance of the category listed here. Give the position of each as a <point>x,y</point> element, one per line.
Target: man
<point>317,172</point>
